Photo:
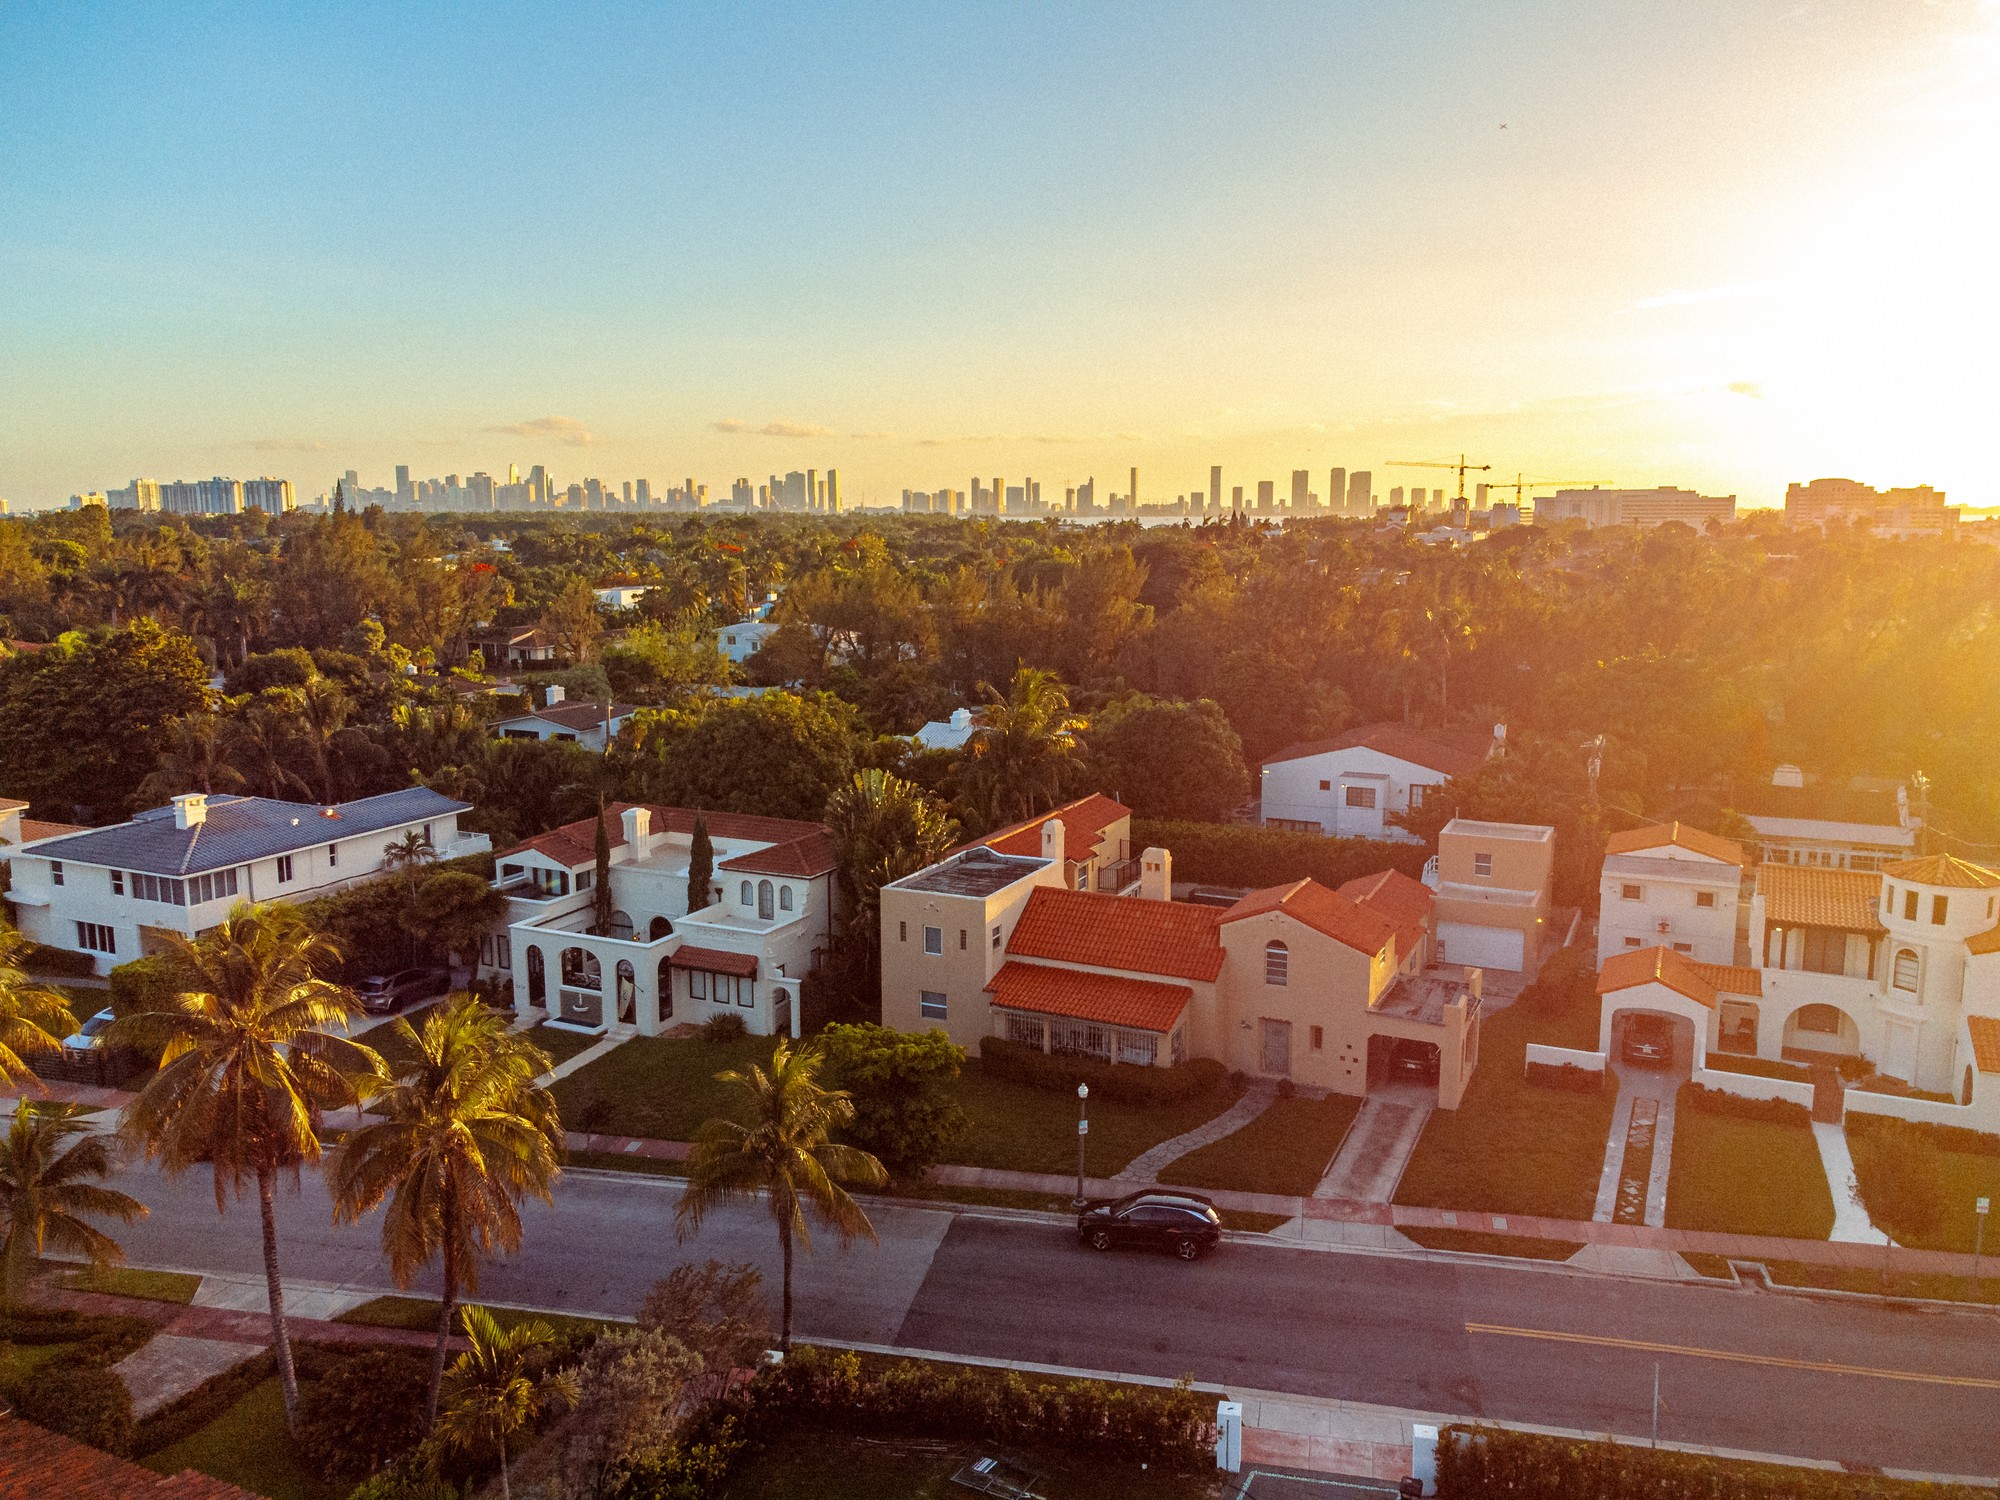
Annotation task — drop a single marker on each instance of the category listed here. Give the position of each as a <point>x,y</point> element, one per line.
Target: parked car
<point>1184,1223</point>
<point>387,992</point>
<point>1649,1041</point>
<point>1415,1062</point>
<point>90,1035</point>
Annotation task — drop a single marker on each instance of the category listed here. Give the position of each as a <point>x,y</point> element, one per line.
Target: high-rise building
<point>1336,491</point>
<point>538,486</point>
<point>203,497</point>
<point>406,493</point>
<point>1086,495</point>
<point>643,492</point>
<point>479,491</point>
<point>832,492</point>
<point>140,494</point>
<point>1132,496</point>
<point>1395,496</point>
<point>1361,493</point>
<point>1916,510</point>
<point>272,496</point>
<point>1267,495</point>
<point>1236,498</point>
<point>1301,490</point>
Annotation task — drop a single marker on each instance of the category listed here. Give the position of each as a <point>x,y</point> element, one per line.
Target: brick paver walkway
<point>1146,1166</point>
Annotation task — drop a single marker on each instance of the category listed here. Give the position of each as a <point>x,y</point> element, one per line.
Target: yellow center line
<point>1821,1366</point>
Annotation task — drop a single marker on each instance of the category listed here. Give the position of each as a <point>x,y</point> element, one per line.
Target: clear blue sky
<point>1726,244</point>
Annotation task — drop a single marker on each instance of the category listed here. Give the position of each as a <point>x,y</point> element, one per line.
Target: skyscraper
<point>1336,491</point>
<point>1215,489</point>
<point>833,492</point>
<point>1267,490</point>
<point>1361,493</point>
<point>1236,498</point>
<point>1301,490</point>
<point>1132,496</point>
<point>645,489</point>
<point>812,489</point>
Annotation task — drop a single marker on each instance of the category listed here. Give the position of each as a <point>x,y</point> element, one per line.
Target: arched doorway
<point>538,979</point>
<point>1825,1030</point>
<point>660,928</point>
<point>628,990</point>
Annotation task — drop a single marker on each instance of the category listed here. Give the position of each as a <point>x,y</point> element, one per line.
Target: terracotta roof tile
<point>1799,895</point>
<point>1985,1042</point>
<point>1403,899</point>
<point>1083,820</point>
<point>1657,835</point>
<point>575,843</point>
<point>34,1461</point>
<point>1729,977</point>
<point>1455,752</point>
<point>1103,998</point>
<point>1624,971</point>
<point>1945,870</point>
<point>801,858</point>
<point>1118,932</point>
<point>35,828</point>
<point>713,961</point>
<point>1345,921</point>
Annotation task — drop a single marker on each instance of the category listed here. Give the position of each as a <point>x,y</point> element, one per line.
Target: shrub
<point>143,984</point>
<point>902,1111</point>
<point>1196,1078</point>
<point>717,1311</point>
<point>1224,854</point>
<point>366,1409</point>
<point>404,1482</point>
<point>1475,1462</point>
<point>1717,1102</point>
<point>99,1340</point>
<point>1901,1172</point>
<point>61,963</point>
<point>87,1402</point>
<point>193,1410</point>
<point>1568,1076</point>
<point>728,1027</point>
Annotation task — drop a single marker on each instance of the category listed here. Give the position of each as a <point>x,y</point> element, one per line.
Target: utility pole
<point>1082,1130</point>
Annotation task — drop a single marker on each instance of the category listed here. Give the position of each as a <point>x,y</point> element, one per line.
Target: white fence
<point>1924,1111</point>
<point>1755,1086</point>
<point>1565,1057</point>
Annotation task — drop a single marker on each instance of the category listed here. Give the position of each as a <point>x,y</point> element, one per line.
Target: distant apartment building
<point>1361,493</point>
<point>1641,508</point>
<point>1336,490</point>
<point>1301,489</point>
<point>1917,511</point>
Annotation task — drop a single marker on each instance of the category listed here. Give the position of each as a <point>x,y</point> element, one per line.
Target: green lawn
<point>1284,1150</point>
<point>658,1087</point>
<point>560,1042</point>
<point>1920,1182</point>
<point>1512,1147</point>
<point>1026,1129</point>
<point>17,1360</point>
<point>1741,1176</point>
<point>826,1466</point>
<point>247,1446</point>
<point>125,1281</point>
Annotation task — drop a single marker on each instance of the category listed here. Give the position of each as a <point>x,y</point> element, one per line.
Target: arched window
<point>538,983</point>
<point>580,969</point>
<point>660,928</point>
<point>764,900</point>
<point>1904,975</point>
<point>666,988</point>
<point>621,925</point>
<point>628,989</point>
<point>1277,963</point>
<point>784,898</point>
<point>743,898</point>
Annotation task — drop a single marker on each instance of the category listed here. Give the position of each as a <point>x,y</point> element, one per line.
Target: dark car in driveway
<point>1649,1041</point>
<point>1186,1224</point>
<point>386,992</point>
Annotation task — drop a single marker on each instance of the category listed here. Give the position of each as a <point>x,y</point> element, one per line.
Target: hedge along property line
<point>1567,1076</point>
<point>1225,854</point>
<point>1477,1463</point>
<point>1017,1062</point>
<point>1721,1102</point>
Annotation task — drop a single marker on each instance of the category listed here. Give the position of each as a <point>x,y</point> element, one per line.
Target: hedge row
<point>99,1340</point>
<point>193,1410</point>
<point>1482,1463</point>
<point>75,1394</point>
<point>1717,1102</point>
<point>60,963</point>
<point>1225,854</point>
<point>1196,1078</point>
<point>1568,1076</point>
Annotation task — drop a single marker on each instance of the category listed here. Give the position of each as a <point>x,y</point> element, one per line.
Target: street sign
<point>1981,1205</point>
<point>1083,1128</point>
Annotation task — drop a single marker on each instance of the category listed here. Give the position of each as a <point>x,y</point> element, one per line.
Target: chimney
<point>1788,776</point>
<point>638,825</point>
<point>1052,839</point>
<point>1475,981</point>
<point>190,810</point>
<point>1156,875</point>
<point>961,718</point>
<point>556,695</point>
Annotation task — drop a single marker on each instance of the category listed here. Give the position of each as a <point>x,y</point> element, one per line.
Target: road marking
<point>1777,1361</point>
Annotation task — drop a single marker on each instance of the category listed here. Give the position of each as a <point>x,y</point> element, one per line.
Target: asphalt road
<point>1842,1380</point>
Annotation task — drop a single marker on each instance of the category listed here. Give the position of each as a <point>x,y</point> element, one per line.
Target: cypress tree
<point>701,866</point>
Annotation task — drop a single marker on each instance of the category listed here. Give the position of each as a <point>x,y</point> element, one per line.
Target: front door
<point>1277,1047</point>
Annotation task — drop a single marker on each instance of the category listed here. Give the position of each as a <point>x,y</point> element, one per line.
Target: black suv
<point>386,992</point>
<point>1185,1223</point>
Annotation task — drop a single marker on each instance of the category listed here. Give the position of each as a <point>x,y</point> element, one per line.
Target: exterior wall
<point>1660,1000</point>
<point>959,974</point>
<point>1750,1086</point>
<point>1668,880</point>
<point>1291,791</point>
<point>533,727</point>
<point>1514,893</point>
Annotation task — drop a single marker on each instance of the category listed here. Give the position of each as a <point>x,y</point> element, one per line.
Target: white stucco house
<point>111,892</point>
<point>1347,786</point>
<point>947,734</point>
<point>592,725</point>
<point>769,915</point>
<point>621,595</point>
<point>1670,886</point>
<point>744,639</point>
<point>1861,823</point>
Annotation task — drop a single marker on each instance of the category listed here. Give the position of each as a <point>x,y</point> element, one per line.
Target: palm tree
<point>261,746</point>
<point>322,710</point>
<point>33,1017</point>
<point>784,1152</point>
<point>884,828</point>
<point>194,758</point>
<point>1023,746</point>
<point>45,1194</point>
<point>493,1391</point>
<point>410,854</point>
<point>457,1140</point>
<point>250,1060</point>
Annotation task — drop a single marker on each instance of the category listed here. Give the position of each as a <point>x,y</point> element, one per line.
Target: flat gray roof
<point>977,872</point>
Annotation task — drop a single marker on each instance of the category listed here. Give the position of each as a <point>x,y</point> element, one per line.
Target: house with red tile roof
<point>1096,842</point>
<point>1348,785</point>
<point>1003,939</point>
<point>767,920</point>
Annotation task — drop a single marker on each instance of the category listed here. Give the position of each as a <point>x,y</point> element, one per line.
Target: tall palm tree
<point>261,746</point>
<point>33,1017</point>
<point>251,1059</point>
<point>493,1390</point>
<point>459,1137</point>
<point>884,828</point>
<point>1024,745</point>
<point>46,1194</point>
<point>194,758</point>
<point>410,854</point>
<point>322,711</point>
<point>786,1153</point>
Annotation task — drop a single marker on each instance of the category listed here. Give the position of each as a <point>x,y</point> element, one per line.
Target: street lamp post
<point>1979,1208</point>
<point>1082,1135</point>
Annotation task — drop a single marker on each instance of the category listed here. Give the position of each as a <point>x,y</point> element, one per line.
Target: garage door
<point>1482,947</point>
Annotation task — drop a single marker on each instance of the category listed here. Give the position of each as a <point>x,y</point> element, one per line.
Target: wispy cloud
<point>1695,296</point>
<point>565,430</point>
<point>773,429</point>
<point>285,445</point>
<point>967,439</point>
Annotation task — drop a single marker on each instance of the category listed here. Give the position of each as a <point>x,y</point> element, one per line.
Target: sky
<point>1720,243</point>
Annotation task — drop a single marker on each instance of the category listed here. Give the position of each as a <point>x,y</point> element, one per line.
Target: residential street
<point>1749,1370</point>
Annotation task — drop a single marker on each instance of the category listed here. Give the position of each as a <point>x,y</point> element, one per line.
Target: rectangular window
<point>586,880</point>
<point>933,940</point>
<point>932,1005</point>
<point>1909,906</point>
<point>1416,797</point>
<point>95,937</point>
<point>1631,942</point>
<point>1318,1037</point>
<point>746,992</point>
<point>961,940</point>
<point>697,985</point>
<point>332,856</point>
<point>1359,796</point>
<point>1326,786</point>
<point>503,953</point>
<point>284,868</point>
<point>117,882</point>
<point>902,932</point>
<point>996,940</point>
<point>55,872</point>
<point>1482,864</point>
<point>1938,905</point>
<point>1630,893</point>
<point>1705,899</point>
<point>1683,947</point>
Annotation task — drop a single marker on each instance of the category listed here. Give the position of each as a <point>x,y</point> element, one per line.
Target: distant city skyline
<point>1725,246</point>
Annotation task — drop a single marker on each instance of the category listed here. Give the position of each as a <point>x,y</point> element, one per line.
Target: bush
<point>1773,1111</point>
<point>365,1410</point>
<point>728,1027</point>
<point>87,1402</point>
<point>404,1482</point>
<point>1901,1170</point>
<point>719,1312</point>
<point>1196,1078</point>
<point>1568,1076</point>
<point>903,1114</point>
<point>1224,854</point>
<point>61,963</point>
<point>143,984</point>
<point>1476,1462</point>
<point>99,1340</point>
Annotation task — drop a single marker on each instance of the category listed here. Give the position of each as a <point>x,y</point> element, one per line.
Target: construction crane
<point>1522,484</point>
<point>1430,463</point>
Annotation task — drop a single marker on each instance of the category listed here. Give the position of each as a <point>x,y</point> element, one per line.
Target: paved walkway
<point>1147,1165</point>
<point>1851,1224</point>
<point>617,1036</point>
<point>1660,1086</point>
<point>1376,1149</point>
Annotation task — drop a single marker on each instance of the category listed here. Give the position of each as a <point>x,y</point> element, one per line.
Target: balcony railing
<point>1115,878</point>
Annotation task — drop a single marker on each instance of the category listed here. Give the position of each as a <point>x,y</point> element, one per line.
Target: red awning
<point>714,961</point>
